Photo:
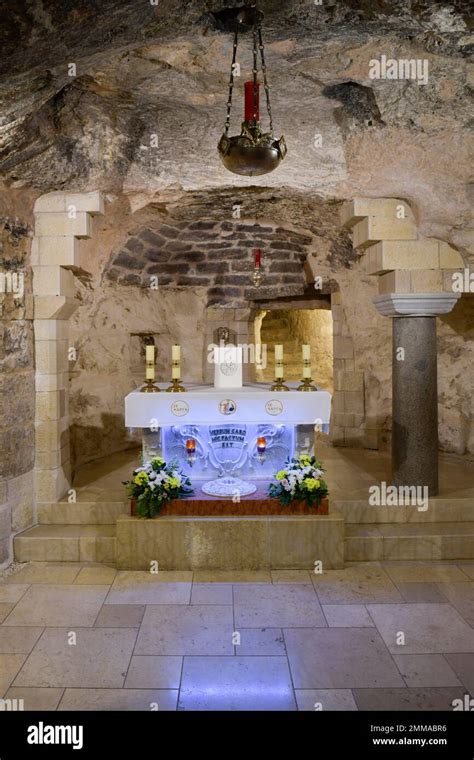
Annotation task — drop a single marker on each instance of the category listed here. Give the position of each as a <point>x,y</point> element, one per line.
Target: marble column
<point>415,385</point>
<point>415,403</point>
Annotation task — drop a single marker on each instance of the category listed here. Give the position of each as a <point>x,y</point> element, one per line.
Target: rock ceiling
<point>146,107</point>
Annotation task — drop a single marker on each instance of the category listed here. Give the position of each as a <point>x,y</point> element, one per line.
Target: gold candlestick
<point>307,385</point>
<point>149,387</point>
<point>279,385</point>
<point>176,386</point>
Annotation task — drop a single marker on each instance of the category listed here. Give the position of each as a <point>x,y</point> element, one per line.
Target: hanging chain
<point>255,71</point>
<point>265,82</point>
<point>231,83</point>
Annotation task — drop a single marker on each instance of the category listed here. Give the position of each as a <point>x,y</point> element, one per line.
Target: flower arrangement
<point>155,483</point>
<point>300,481</point>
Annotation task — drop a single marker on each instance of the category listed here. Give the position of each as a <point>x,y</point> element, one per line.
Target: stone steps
<point>439,510</point>
<point>408,541</point>
<point>82,513</point>
<point>66,543</point>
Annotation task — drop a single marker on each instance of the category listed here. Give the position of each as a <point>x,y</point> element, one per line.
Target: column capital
<point>415,304</point>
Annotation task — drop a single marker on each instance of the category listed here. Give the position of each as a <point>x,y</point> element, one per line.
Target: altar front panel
<point>229,449</point>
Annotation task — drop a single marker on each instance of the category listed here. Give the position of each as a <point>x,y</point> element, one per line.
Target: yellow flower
<point>141,479</point>
<point>173,482</point>
<point>305,459</point>
<point>311,484</point>
<point>158,461</point>
<point>280,475</point>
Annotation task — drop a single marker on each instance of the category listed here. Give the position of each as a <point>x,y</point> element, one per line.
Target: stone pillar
<point>415,403</point>
<point>61,219</point>
<point>415,385</point>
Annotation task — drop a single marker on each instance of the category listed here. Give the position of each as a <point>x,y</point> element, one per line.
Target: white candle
<point>306,369</point>
<point>150,353</point>
<point>176,372</point>
<point>278,361</point>
<point>306,351</point>
<point>150,372</point>
<point>175,353</point>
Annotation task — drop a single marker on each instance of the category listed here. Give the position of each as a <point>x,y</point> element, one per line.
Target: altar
<point>248,432</point>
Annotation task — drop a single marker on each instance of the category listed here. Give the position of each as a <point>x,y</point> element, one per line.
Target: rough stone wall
<point>16,383</point>
<point>218,256</point>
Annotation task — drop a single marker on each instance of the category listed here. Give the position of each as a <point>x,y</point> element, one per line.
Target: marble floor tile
<point>39,572</point>
<point>10,664</point>
<point>339,658</point>
<point>290,576</point>
<point>186,630</point>
<point>364,584</point>
<point>21,640</point>
<point>11,593</point>
<point>277,606</point>
<point>5,610</point>
<point>211,593</point>
<point>161,700</point>
<point>419,699</point>
<point>58,606</point>
<point>428,628</point>
<point>141,587</point>
<point>463,666</point>
<point>461,596</point>
<point>421,592</point>
<point>426,670</point>
<point>416,572</point>
<point>120,616</point>
<point>36,698</point>
<point>100,658</point>
<point>347,616</point>
<point>309,700</point>
<point>152,672</point>
<point>236,683</point>
<point>260,641</point>
<point>91,576</point>
<point>468,569</point>
<point>232,576</point>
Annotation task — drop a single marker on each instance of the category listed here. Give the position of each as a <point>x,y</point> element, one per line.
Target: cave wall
<point>17,400</point>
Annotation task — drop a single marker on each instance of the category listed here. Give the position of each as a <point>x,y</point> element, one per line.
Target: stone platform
<point>230,543</point>
<point>87,531</point>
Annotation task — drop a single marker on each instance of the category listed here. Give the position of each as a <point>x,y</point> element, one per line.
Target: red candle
<point>258,258</point>
<point>252,111</point>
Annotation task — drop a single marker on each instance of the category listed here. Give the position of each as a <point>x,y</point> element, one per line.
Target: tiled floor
<point>369,637</point>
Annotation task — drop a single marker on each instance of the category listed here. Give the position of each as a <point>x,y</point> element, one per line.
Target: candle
<point>261,445</point>
<point>278,361</point>
<point>150,353</point>
<point>150,372</point>
<point>175,371</point>
<point>258,258</point>
<point>176,353</point>
<point>191,445</point>
<point>306,351</point>
<point>252,102</point>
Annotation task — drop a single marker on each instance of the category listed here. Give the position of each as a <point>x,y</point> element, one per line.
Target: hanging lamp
<point>253,152</point>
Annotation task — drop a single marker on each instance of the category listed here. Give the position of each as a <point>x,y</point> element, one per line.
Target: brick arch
<point>216,255</point>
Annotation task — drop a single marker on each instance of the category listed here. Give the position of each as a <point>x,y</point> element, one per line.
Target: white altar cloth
<point>206,405</point>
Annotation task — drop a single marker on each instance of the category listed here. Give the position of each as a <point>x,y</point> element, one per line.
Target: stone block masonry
<point>218,256</point>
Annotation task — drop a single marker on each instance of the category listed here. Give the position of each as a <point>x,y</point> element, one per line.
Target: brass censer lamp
<point>254,152</point>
